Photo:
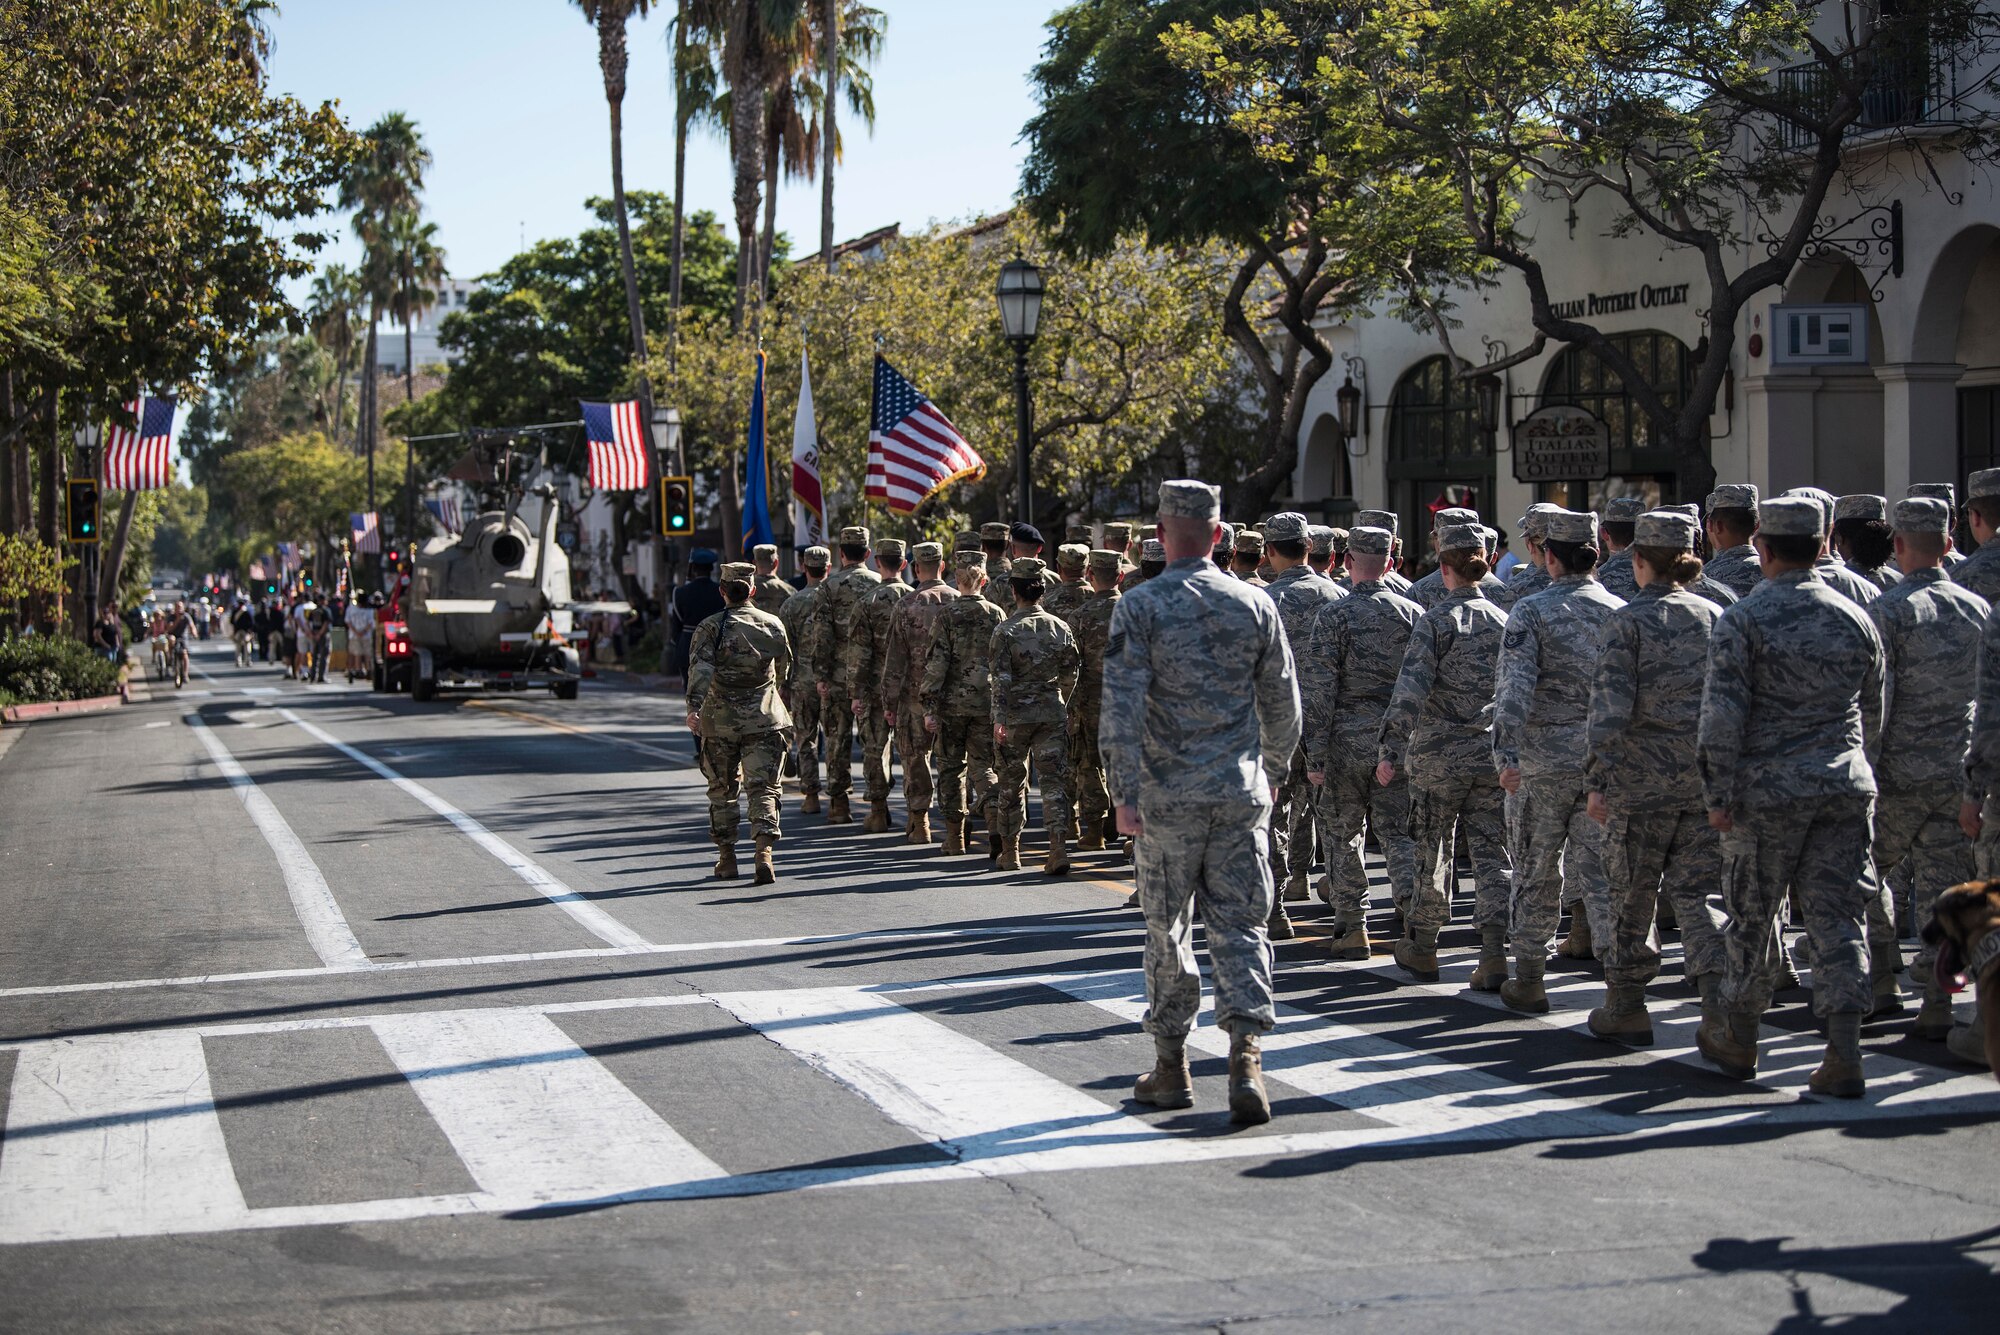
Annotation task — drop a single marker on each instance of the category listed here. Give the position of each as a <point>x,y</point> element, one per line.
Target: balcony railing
<point>1912,84</point>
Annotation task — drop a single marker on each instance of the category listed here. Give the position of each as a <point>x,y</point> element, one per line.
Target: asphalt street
<point>324,1011</point>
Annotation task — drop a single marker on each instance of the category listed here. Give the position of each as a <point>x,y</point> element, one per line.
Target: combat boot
<point>1057,862</point>
<point>1576,945</point>
<point>877,820</point>
<point>809,802</point>
<point>1967,1042</point>
<point>725,860</point>
<point>1491,971</point>
<point>920,828</point>
<point>1296,890</point>
<point>1350,940</point>
<point>1524,992</point>
<point>1622,1018</point>
<point>1933,1022</point>
<point>993,846</point>
<point>1884,958</point>
<point>1169,1084</point>
<point>1249,1103</point>
<point>1728,1038</point>
<point>954,836</point>
<point>837,812</point>
<point>1009,858</point>
<point>1839,1074</point>
<point>1090,839</point>
<point>1417,954</point>
<point>765,873</point>
<point>1279,925</point>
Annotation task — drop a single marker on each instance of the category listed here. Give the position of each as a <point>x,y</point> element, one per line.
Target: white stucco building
<point>453,293</point>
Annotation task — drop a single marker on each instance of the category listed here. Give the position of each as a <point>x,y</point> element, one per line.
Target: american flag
<point>617,445</point>
<point>138,459</point>
<point>913,449</point>
<point>445,510</point>
<point>366,525</point>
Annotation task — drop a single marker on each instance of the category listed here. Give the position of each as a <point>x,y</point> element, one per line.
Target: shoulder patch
<point>1516,637</point>
<point>1115,645</point>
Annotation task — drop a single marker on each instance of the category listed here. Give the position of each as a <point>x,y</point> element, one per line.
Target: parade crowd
<point>1621,740</point>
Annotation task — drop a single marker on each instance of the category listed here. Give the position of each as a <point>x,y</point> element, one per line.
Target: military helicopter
<point>490,608</point>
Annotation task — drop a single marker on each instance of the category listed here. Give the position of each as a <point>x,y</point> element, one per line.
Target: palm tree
<point>850,38</point>
<point>334,315</point>
<point>418,267</point>
<point>610,17</point>
<point>755,36</point>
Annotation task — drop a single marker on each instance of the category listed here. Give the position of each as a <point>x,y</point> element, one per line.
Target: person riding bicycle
<point>317,641</point>
<point>244,624</point>
<point>180,631</point>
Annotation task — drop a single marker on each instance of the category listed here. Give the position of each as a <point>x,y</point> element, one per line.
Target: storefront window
<point>1641,466</point>
<point>1437,453</point>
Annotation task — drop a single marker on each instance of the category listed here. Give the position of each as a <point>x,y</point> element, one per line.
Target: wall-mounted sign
<point>1823,335</point>
<point>1643,298</point>
<point>1561,444</point>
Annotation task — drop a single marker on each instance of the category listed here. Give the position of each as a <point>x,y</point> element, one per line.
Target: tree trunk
<point>49,614</point>
<point>611,54</point>
<point>114,556</point>
<point>768,241</point>
<point>340,397</point>
<point>732,507</point>
<point>7,452</point>
<point>829,59</point>
<point>746,150</point>
<point>409,344</point>
<point>680,191</point>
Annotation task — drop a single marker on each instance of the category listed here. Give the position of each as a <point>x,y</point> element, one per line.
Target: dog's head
<point>1964,917</point>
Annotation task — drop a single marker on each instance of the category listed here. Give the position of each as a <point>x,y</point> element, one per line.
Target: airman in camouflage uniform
<point>1248,556</point>
<point>1831,568</point>
<point>802,690</point>
<point>1639,766</point>
<point>1392,579</point>
<point>993,541</point>
<point>836,649</point>
<point>769,593</point>
<point>905,647</point>
<point>1539,714</point>
<point>958,703</point>
<point>1347,673</point>
<point>867,656</point>
<point>1791,709</point>
<point>1980,571</point>
<point>1069,591</point>
<point>1531,576</point>
<point>1152,562</point>
<point>1032,665</point>
<point>738,658</point>
<point>1862,538</point>
<point>1930,628</point>
<point>1300,593</point>
<point>1225,547</point>
<point>1615,571</point>
<point>1439,730</point>
<point>1200,719</point>
<point>1325,546</point>
<point>1429,591</point>
<point>1946,492</point>
<point>1090,622</point>
<point>1118,538</point>
<point>1732,518</point>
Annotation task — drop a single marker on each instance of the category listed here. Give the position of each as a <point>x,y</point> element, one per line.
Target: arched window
<point>1434,422</point>
<point>1578,376</point>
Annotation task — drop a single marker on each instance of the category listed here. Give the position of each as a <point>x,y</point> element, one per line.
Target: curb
<point>57,708</point>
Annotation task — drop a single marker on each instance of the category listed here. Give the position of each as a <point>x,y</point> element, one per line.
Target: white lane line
<point>312,900</point>
<point>587,914</point>
<point>532,1115</point>
<point>115,1137</point>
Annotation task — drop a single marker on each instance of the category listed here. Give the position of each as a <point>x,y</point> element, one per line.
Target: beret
<point>1461,538</point>
<point>1249,543</point>
<point>1288,526</point>
<point>1664,528</point>
<point>993,532</point>
<point>1078,533</point>
<point>1377,519</point>
<point>1937,491</point>
<point>1025,534</point>
<point>968,561</point>
<point>1623,509</point>
<point>1791,516</point>
<point>701,556</point>
<point>1733,496</point>
<point>1861,505</point>
<point>927,552</point>
<point>1454,514</point>
<point>1923,514</point>
<point>764,551</point>
<point>1027,567</point>
<point>741,571</point>
<point>817,557</point>
<point>1153,550</point>
<point>854,536</point>
<point>1369,541</point>
<point>1104,561</point>
<point>1117,536</point>
<point>1986,482</point>
<point>1575,526</point>
<point>1072,555</point>
<point>1320,539</point>
<point>1187,498</point>
<point>893,548</point>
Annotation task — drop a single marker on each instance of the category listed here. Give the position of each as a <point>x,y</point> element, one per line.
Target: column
<point>1779,405</point>
<point>1919,424</point>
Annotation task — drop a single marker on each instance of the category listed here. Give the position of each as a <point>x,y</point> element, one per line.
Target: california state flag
<point>808,505</point>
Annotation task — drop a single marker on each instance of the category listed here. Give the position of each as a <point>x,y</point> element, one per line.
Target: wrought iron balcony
<point>1913,84</point>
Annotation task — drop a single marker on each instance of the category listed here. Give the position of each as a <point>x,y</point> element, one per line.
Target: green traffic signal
<point>676,506</point>
<point>83,509</point>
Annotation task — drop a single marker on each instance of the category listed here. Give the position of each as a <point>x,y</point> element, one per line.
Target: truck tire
<point>422,689</point>
<point>563,690</point>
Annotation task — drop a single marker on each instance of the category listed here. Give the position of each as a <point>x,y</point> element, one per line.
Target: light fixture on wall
<point>1486,392</point>
<point>1491,395</point>
<point>1351,401</point>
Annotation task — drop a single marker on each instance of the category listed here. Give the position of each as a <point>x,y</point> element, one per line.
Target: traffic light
<point>676,507</point>
<point>83,506</point>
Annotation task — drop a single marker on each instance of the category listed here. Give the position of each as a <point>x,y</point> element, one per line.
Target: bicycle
<point>180,657</point>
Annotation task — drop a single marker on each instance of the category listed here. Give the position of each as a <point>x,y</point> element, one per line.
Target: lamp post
<point>88,437</point>
<point>1020,296</point>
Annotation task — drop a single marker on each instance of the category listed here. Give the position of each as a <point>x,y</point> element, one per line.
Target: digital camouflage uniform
<point>1068,592</point>
<point>1980,571</point>
<point>1199,719</point>
<point>1844,579</point>
<point>1791,705</point>
<point>1982,753</point>
<point>739,656</point>
<point>958,694</point>
<point>1090,622</point>
<point>1300,593</point>
<point>836,650</point>
<point>998,592</point>
<point>1439,729</point>
<point>1429,591</point>
<point>802,690</point>
<point>907,644</point>
<point>1615,576</point>
<point>1032,666</point>
<point>868,653</point>
<point>1736,569</point>
<point>1540,706</point>
<point>1347,673</point>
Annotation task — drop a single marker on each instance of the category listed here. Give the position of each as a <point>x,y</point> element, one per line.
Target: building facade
<point>425,349</point>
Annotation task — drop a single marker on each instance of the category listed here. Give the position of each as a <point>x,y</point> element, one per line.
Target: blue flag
<point>756,497</point>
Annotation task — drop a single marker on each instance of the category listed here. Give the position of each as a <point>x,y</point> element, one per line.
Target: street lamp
<point>1020,297</point>
<point>88,437</point>
<point>1486,392</point>
<point>666,463</point>
<point>1348,399</point>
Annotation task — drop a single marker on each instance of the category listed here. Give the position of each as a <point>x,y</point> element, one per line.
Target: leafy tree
<point>29,568</point>
<point>299,486</point>
<point>334,316</point>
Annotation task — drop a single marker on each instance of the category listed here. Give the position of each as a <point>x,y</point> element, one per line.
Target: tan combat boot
<point>1249,1102</point>
<point>920,828</point>
<point>1057,862</point>
<point>765,873</point>
<point>725,860</point>
<point>1168,1084</point>
<point>1622,1018</point>
<point>1524,992</point>
<point>809,802</point>
<point>1967,1043</point>
<point>995,847</point>
<point>1417,954</point>
<point>1350,940</point>
<point>1090,837</point>
<point>877,821</point>
<point>1839,1074</point>
<point>1884,959</point>
<point>1729,1039</point>
<point>1009,858</point>
<point>1491,971</point>
<point>954,836</point>
<point>1576,945</point>
<point>837,812</point>
<point>1296,889</point>
<point>1933,1023</point>
<point>1279,925</point>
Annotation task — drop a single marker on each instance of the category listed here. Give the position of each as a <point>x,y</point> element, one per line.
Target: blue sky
<point>508,96</point>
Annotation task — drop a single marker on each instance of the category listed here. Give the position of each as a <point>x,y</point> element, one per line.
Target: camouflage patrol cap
<point>1118,536</point>
<point>1986,482</point>
<point>1492,536</point>
<point>967,541</point>
<point>1321,537</point>
<point>1104,561</point>
<point>1862,505</point>
<point>1226,540</point>
<point>969,561</point>
<point>1664,528</point>
<point>1688,508</point>
<point>1453,515</point>
<point>1937,491</point>
<point>1287,526</point>
<point>1534,521</point>
<point>993,532</point>
<point>1574,526</point>
<point>854,536</point>
<point>1249,542</point>
<point>1072,556</point>
<point>764,551</point>
<point>1733,496</point>
<point>1461,538</point>
<point>740,571</point>
<point>1027,567</point>
<point>1369,541</point>
<point>1377,519</point>
<point>1079,534</point>
<point>1823,499</point>
<point>1922,514</point>
<point>1152,549</point>
<point>1623,509</point>
<point>1791,517</point>
<point>891,548</point>
<point>1187,498</point>
<point>816,558</point>
<point>927,553</point>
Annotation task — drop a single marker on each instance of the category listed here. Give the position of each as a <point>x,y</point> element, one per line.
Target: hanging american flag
<point>617,445</point>
<point>913,449</point>
<point>366,525</point>
<point>138,458</point>
<point>445,510</point>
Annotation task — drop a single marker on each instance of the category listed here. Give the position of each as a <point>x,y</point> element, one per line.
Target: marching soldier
<point>1862,538</point>
<point>1248,556</point>
<point>802,690</point>
<point>770,593</point>
<point>1621,515</point>
<point>836,628</point>
<point>1069,591</point>
<point>1347,672</point>
<point>1118,538</point>
<point>1032,666</point>
<point>739,656</point>
<point>1980,571</point>
<point>1325,546</point>
<point>906,645</point>
<point>1429,591</point>
<point>1090,622</point>
<point>1732,520</point>
<point>1532,575</point>
<point>1392,578</point>
<point>958,704</point>
<point>1942,491</point>
<point>993,542</point>
<point>1831,568</point>
<point>871,711</point>
<point>1152,562</point>
<point>1300,594</point>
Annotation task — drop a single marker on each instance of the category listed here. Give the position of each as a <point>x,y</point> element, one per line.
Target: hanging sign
<point>1561,444</point>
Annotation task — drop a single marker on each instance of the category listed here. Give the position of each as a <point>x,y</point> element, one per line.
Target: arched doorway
<point>1435,446</point>
<point>1326,479</point>
<point>1640,465</point>
<point>1978,351</point>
